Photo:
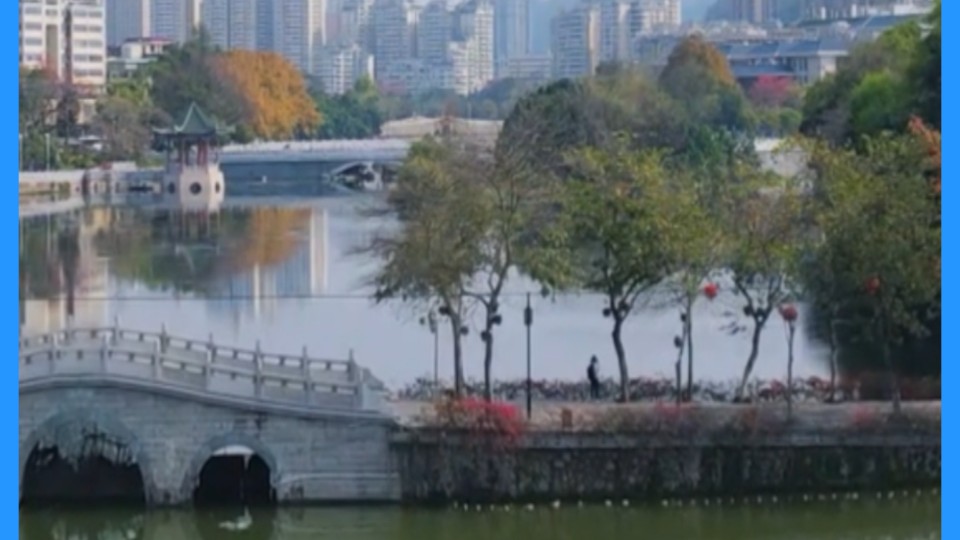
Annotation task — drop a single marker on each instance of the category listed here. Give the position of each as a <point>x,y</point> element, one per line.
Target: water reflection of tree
<point>49,260</point>
<point>189,252</point>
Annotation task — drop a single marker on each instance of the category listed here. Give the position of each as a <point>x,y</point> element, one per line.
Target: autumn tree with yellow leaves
<point>271,91</point>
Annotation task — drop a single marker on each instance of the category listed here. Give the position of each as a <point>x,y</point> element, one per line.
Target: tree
<point>771,91</point>
<point>613,228</point>
<point>184,74</point>
<point>695,249</point>
<point>925,72</point>
<point>431,261</point>
<point>272,92</point>
<point>828,111</point>
<point>38,100</point>
<point>698,76</point>
<point>880,210</point>
<point>762,217</point>
<point>123,128</point>
<point>353,115</point>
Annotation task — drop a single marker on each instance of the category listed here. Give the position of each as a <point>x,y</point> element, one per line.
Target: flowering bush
<point>495,420</point>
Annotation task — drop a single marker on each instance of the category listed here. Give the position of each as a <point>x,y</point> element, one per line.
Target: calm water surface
<point>286,274</point>
<point>915,519</point>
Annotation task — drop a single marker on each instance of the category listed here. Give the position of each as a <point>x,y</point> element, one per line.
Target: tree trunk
<point>621,359</point>
<point>457,356</point>
<point>487,362</point>
<point>754,352</point>
<point>689,349</point>
<point>791,331</point>
<point>834,353</point>
<point>678,367</point>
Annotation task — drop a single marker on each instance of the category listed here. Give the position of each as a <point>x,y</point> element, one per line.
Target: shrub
<point>494,421</point>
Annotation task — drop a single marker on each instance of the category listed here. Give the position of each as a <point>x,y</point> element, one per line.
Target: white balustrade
<point>169,361</point>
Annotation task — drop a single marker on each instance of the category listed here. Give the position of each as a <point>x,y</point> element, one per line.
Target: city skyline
<point>413,46</point>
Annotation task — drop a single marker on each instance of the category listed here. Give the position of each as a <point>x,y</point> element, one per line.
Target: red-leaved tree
<point>771,91</point>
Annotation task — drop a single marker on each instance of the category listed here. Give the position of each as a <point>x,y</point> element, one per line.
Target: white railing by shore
<point>157,358</point>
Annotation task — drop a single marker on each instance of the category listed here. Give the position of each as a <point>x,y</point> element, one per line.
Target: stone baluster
<point>258,372</point>
<point>212,346</point>
<point>207,368</point>
<point>54,352</point>
<point>163,338</point>
<point>156,361</point>
<point>116,330</point>
<point>307,377</point>
<point>104,352</point>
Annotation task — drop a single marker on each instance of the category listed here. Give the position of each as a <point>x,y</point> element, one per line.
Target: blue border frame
<point>10,237</point>
<point>950,525</point>
<point>9,481</point>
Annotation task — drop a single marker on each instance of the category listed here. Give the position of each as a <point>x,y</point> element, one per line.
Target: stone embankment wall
<point>437,465</point>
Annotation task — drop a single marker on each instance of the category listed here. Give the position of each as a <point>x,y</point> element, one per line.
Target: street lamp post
<point>46,138</point>
<point>528,322</point>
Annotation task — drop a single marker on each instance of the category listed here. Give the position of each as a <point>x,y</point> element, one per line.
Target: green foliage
<point>879,86</point>
<point>615,229</point>
<point>431,261</point>
<point>698,77</point>
<point>353,115</point>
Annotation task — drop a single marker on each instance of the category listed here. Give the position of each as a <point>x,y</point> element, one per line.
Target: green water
<point>903,518</point>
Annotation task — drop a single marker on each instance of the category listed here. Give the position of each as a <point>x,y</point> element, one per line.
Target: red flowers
<point>789,312</point>
<point>710,290</point>
<point>497,419</point>
<point>873,285</point>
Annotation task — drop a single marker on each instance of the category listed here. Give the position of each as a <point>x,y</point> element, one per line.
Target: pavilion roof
<point>195,123</point>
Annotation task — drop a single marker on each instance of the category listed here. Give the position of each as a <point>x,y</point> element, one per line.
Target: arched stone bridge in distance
<point>320,425</point>
<point>300,164</point>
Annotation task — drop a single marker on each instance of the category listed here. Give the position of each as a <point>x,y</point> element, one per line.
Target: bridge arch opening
<point>82,464</point>
<point>234,476</point>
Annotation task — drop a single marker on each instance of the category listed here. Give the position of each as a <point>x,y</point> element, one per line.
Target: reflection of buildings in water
<point>303,274</point>
<point>41,315</point>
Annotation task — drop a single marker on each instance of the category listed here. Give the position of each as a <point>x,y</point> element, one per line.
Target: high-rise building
<point>331,24</point>
<point>434,32</point>
<point>615,31</point>
<point>754,11</point>
<point>264,25</point>
<point>231,24</point>
<point>356,23</point>
<point>342,66</point>
<point>175,20</point>
<point>394,24</point>
<point>511,32</point>
<point>298,32</point>
<point>66,37</point>
<point>576,42</point>
<point>650,15</point>
<point>475,28</point>
<point>127,19</point>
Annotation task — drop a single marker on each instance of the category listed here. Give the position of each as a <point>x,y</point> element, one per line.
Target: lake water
<point>910,518</point>
<point>286,274</point>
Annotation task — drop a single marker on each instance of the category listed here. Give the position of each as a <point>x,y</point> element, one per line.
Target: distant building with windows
<point>133,54</point>
<point>576,42</point>
<point>127,19</point>
<point>68,38</point>
<point>342,67</point>
<point>230,24</point>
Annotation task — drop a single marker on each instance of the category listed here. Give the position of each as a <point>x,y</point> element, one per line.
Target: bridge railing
<point>200,366</point>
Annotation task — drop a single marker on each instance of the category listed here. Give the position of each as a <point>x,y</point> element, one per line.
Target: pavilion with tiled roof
<point>196,131</point>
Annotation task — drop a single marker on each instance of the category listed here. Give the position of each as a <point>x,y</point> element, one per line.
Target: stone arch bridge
<point>171,403</point>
